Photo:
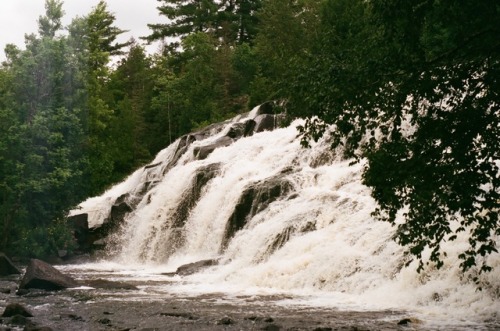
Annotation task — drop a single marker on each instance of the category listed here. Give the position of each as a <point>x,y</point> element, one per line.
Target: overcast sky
<point>18,17</point>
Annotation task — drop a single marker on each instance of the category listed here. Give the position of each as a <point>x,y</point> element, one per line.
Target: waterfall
<point>278,216</point>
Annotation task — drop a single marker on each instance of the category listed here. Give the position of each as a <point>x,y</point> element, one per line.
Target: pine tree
<point>95,36</point>
<point>132,86</point>
<point>230,21</point>
<point>185,17</point>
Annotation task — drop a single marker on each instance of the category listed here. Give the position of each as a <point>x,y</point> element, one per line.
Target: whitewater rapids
<point>317,241</point>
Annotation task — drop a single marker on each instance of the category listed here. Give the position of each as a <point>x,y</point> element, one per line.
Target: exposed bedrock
<point>202,152</point>
<point>189,199</point>
<point>235,132</point>
<point>90,238</point>
<point>284,236</point>
<point>266,120</point>
<point>255,198</point>
<point>80,225</point>
<point>14,309</point>
<point>267,117</point>
<point>193,193</point>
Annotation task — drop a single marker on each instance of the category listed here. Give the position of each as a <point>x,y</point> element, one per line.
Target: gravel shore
<point>95,310</point>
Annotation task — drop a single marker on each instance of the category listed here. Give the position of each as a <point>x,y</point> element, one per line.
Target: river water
<point>314,246</point>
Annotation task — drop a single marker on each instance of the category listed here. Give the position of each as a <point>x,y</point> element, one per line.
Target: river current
<point>313,244</point>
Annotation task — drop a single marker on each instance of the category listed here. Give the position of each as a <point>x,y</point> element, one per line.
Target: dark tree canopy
<point>414,88</point>
<point>229,20</point>
<point>185,17</point>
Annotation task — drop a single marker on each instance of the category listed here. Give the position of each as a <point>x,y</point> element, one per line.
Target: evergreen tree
<point>95,35</point>
<point>283,47</point>
<point>185,17</point>
<point>132,85</point>
<point>49,24</point>
<point>41,136</point>
<point>231,21</point>
<point>237,20</point>
<point>163,120</point>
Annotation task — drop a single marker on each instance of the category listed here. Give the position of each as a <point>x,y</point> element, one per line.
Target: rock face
<point>201,153</point>
<point>191,268</point>
<point>41,275</point>
<point>80,225</point>
<point>119,210</point>
<point>255,198</point>
<point>7,267</point>
<point>88,238</point>
<point>268,116</point>
<point>193,193</point>
<point>13,309</point>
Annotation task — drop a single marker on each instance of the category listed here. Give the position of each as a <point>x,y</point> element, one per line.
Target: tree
<point>131,85</point>
<point>40,158</point>
<point>237,20</point>
<point>230,21</point>
<point>419,99</point>
<point>283,46</point>
<point>94,35</point>
<point>49,24</point>
<point>185,17</point>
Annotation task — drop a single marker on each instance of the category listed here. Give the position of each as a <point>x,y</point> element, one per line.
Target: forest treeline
<point>410,86</point>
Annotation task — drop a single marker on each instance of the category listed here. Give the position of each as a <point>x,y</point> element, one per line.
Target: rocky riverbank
<point>84,309</point>
<point>110,301</point>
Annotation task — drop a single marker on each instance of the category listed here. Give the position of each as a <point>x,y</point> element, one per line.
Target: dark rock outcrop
<point>80,225</point>
<point>284,236</point>
<point>209,130</point>
<point>271,327</point>
<point>119,211</point>
<point>236,131</point>
<point>188,316</point>
<point>255,198</point>
<point>191,196</point>
<point>5,290</point>
<point>110,285</point>
<point>20,320</point>
<point>87,236</point>
<point>7,267</point>
<point>265,122</point>
<point>270,116</point>
<point>202,152</point>
<point>225,321</point>
<point>270,108</point>
<point>13,309</point>
<point>241,129</point>
<point>40,275</point>
<point>192,268</point>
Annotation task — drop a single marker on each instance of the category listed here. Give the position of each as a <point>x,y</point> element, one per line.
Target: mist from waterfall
<point>315,238</point>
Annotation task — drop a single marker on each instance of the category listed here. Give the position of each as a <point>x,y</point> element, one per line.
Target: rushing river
<point>290,227</point>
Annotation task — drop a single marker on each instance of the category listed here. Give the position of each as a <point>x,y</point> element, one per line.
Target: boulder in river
<point>13,309</point>
<point>41,275</point>
<point>191,268</point>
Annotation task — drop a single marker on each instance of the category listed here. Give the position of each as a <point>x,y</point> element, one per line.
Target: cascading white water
<point>317,238</point>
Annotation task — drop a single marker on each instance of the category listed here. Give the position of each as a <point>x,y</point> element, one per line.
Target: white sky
<point>19,17</point>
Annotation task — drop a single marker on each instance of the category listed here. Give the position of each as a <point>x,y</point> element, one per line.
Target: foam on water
<point>318,242</point>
